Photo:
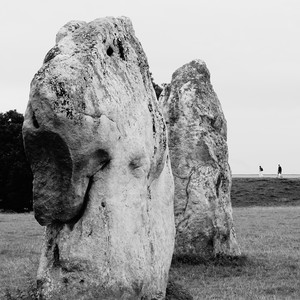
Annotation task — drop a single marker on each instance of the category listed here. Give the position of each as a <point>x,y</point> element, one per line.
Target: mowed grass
<point>266,214</point>
<point>269,268</point>
<point>269,237</point>
<point>265,192</point>
<point>20,248</point>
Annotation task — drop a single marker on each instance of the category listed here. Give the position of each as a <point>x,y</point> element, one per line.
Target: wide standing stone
<point>199,159</point>
<point>103,187</point>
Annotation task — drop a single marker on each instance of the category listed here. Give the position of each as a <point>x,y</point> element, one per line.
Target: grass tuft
<point>176,291</point>
<point>30,293</point>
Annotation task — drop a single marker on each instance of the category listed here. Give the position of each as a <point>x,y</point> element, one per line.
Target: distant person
<point>260,173</point>
<point>279,172</point>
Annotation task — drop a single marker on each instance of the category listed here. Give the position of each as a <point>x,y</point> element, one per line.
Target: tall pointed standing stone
<point>199,159</point>
<point>103,187</point>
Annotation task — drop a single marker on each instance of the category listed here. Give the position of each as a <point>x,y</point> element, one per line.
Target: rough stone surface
<point>199,159</point>
<point>103,186</point>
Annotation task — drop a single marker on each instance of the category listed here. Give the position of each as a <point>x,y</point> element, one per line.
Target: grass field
<point>270,267</point>
<point>20,243</point>
<point>265,192</point>
<point>269,238</point>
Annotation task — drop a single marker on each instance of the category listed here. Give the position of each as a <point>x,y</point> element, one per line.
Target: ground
<point>265,192</point>
<point>266,214</point>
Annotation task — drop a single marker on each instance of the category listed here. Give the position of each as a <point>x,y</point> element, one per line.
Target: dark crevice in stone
<point>56,262</point>
<point>121,49</point>
<point>150,108</point>
<point>72,223</point>
<point>51,54</point>
<point>49,244</point>
<point>34,121</point>
<point>109,51</point>
<point>103,158</point>
<point>153,128</point>
<point>219,180</point>
<point>105,164</point>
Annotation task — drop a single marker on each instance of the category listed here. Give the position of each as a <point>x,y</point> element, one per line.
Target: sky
<point>252,49</point>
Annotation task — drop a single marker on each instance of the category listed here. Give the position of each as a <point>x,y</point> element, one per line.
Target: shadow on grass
<point>187,268</point>
<point>218,260</point>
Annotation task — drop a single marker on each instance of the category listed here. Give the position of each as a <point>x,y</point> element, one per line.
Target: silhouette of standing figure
<point>260,171</point>
<point>279,172</point>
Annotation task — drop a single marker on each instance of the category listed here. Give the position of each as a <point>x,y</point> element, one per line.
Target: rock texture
<point>103,187</point>
<point>199,159</point>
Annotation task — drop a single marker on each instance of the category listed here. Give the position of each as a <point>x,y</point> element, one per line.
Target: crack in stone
<point>90,115</point>
<point>188,177</point>
<point>114,122</point>
<point>99,116</point>
<point>187,189</point>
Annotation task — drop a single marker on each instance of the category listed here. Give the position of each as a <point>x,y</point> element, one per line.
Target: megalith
<point>103,187</point>
<point>199,158</point>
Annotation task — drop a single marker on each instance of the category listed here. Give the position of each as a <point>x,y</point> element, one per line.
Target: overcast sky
<point>252,49</point>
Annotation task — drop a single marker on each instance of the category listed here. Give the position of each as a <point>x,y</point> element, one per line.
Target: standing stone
<point>199,159</point>
<point>103,186</point>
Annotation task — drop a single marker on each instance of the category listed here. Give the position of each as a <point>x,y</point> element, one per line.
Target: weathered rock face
<point>199,159</point>
<point>97,145</point>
